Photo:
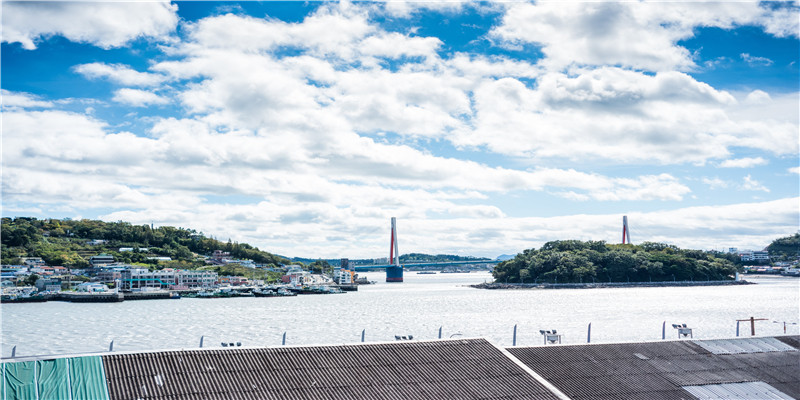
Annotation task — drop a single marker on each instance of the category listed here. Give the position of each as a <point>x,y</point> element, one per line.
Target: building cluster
<point>104,269</point>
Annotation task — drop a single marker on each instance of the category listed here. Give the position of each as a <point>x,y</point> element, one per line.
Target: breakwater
<point>595,285</point>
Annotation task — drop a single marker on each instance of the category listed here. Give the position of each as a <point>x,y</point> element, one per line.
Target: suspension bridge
<point>394,269</point>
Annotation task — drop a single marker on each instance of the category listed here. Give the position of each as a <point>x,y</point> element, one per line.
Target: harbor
<point>382,311</point>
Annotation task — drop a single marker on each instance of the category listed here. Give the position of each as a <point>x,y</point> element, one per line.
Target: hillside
<point>786,247</point>
<point>68,243</point>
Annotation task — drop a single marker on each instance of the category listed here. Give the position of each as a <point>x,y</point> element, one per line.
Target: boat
<point>25,298</point>
<point>261,292</point>
<point>285,292</point>
<point>426,272</point>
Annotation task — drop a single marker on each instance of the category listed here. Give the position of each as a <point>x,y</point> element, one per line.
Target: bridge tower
<point>626,232</point>
<point>394,273</point>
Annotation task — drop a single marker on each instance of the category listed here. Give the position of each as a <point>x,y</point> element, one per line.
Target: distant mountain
<point>504,257</point>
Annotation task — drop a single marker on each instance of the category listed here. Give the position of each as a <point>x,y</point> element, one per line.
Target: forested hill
<point>786,247</point>
<point>576,261</point>
<point>66,242</point>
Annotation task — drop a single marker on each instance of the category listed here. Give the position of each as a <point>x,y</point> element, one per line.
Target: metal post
<point>589,334</point>
<point>111,346</point>
<point>737,328</point>
<point>363,332</point>
<point>201,341</point>
<point>14,351</point>
<point>440,332</point>
<point>664,330</point>
<point>515,336</point>
<point>284,339</point>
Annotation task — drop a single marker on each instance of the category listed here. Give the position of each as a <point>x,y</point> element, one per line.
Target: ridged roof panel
<point>447,369</point>
<point>660,370</point>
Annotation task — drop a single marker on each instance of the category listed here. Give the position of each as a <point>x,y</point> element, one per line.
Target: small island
<point>592,264</point>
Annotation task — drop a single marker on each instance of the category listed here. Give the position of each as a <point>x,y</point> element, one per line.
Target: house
<point>32,261</point>
<point>95,242</point>
<point>48,284</point>
<point>100,260</point>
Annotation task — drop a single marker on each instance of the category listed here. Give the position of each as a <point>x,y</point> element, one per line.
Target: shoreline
<point>598,285</point>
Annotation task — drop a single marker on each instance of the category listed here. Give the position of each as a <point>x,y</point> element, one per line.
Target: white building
<point>754,256</point>
<point>168,278</point>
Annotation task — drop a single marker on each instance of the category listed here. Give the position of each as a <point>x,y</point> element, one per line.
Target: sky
<point>484,128</point>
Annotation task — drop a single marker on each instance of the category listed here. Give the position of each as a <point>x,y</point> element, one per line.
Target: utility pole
<point>752,324</point>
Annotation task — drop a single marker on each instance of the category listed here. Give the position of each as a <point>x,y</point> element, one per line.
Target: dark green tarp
<point>51,378</point>
<point>79,378</point>
<point>19,380</point>
<point>88,378</point>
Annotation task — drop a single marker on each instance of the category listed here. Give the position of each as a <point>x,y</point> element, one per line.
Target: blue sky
<point>485,128</point>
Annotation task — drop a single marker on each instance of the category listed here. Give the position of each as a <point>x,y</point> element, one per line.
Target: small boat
<point>285,292</point>
<point>426,272</point>
<point>262,292</point>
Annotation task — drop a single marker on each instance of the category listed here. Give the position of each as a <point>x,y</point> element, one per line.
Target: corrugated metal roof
<point>447,369</point>
<point>744,345</point>
<point>659,370</point>
<point>741,391</point>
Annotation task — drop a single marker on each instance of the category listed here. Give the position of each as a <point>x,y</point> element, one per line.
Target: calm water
<point>418,307</point>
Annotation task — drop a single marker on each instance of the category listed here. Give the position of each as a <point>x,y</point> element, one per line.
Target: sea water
<point>419,307</point>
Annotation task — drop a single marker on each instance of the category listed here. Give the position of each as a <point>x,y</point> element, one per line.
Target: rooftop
<point>742,368</point>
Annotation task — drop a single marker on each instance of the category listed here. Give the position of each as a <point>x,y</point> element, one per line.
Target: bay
<point>417,307</point>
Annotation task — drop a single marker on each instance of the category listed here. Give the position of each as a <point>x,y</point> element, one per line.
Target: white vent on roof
<point>741,346</point>
<point>743,391</point>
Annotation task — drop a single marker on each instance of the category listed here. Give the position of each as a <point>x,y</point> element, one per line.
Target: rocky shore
<point>605,284</point>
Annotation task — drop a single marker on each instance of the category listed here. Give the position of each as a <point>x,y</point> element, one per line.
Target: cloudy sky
<point>485,128</point>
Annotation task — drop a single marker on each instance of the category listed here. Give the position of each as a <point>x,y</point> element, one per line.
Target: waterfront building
<point>92,287</point>
<point>196,279</point>
<point>168,278</point>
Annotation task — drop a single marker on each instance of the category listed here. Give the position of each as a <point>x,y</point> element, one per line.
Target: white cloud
<point>756,61</point>
<point>339,85</point>
<point>579,33</point>
<point>104,24</point>
<point>758,97</point>
<point>751,184</point>
<point>715,183</point>
<point>747,162</point>
<point>17,100</point>
<point>794,170</point>
<point>118,73</point>
<point>138,98</point>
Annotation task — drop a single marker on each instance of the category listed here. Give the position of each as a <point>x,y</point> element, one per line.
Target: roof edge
<point>552,388</point>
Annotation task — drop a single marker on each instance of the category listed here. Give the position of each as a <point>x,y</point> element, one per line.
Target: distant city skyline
<point>485,128</point>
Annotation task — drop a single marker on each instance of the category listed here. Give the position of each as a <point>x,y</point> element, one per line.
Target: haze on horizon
<point>485,128</point>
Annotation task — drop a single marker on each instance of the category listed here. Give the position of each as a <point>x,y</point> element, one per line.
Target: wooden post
<point>752,324</point>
